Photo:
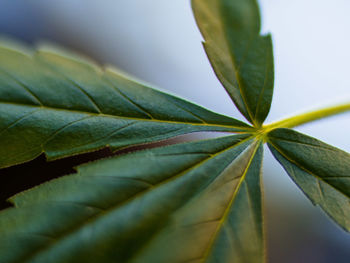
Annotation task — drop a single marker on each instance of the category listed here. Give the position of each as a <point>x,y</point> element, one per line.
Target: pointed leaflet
<point>192,202</point>
<point>242,59</point>
<point>63,106</point>
<point>320,170</point>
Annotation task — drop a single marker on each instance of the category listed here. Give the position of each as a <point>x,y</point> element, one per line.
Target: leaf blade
<point>62,106</point>
<point>320,170</point>
<point>129,215</point>
<point>240,57</point>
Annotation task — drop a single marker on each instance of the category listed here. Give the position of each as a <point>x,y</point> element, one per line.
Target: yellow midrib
<point>241,129</point>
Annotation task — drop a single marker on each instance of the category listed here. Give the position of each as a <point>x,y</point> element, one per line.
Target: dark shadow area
<point>22,177</point>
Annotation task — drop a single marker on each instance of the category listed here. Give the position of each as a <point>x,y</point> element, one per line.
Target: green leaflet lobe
<point>63,106</point>
<point>320,170</point>
<point>241,58</point>
<point>192,202</point>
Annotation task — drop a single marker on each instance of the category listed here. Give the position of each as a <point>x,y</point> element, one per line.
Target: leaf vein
<point>130,100</point>
<point>59,130</point>
<point>18,120</point>
<point>305,169</point>
<point>22,85</point>
<point>142,192</point>
<point>227,210</point>
<point>243,129</point>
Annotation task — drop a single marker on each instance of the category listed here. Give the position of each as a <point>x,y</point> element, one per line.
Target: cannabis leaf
<point>62,106</point>
<point>207,206</point>
<point>193,202</point>
<point>241,58</point>
<point>320,170</point>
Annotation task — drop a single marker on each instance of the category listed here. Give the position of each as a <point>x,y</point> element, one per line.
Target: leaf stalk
<point>307,117</point>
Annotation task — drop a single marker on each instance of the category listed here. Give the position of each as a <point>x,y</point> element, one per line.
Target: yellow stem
<point>307,117</point>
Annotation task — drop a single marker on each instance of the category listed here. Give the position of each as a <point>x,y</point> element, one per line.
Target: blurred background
<point>157,41</point>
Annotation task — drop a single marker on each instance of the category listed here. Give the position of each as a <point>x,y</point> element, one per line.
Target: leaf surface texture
<point>241,58</point>
<point>192,202</point>
<point>63,105</point>
<point>321,171</point>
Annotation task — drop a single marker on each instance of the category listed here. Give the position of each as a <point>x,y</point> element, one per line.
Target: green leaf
<point>242,59</point>
<point>191,202</point>
<point>320,170</point>
<point>63,106</point>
